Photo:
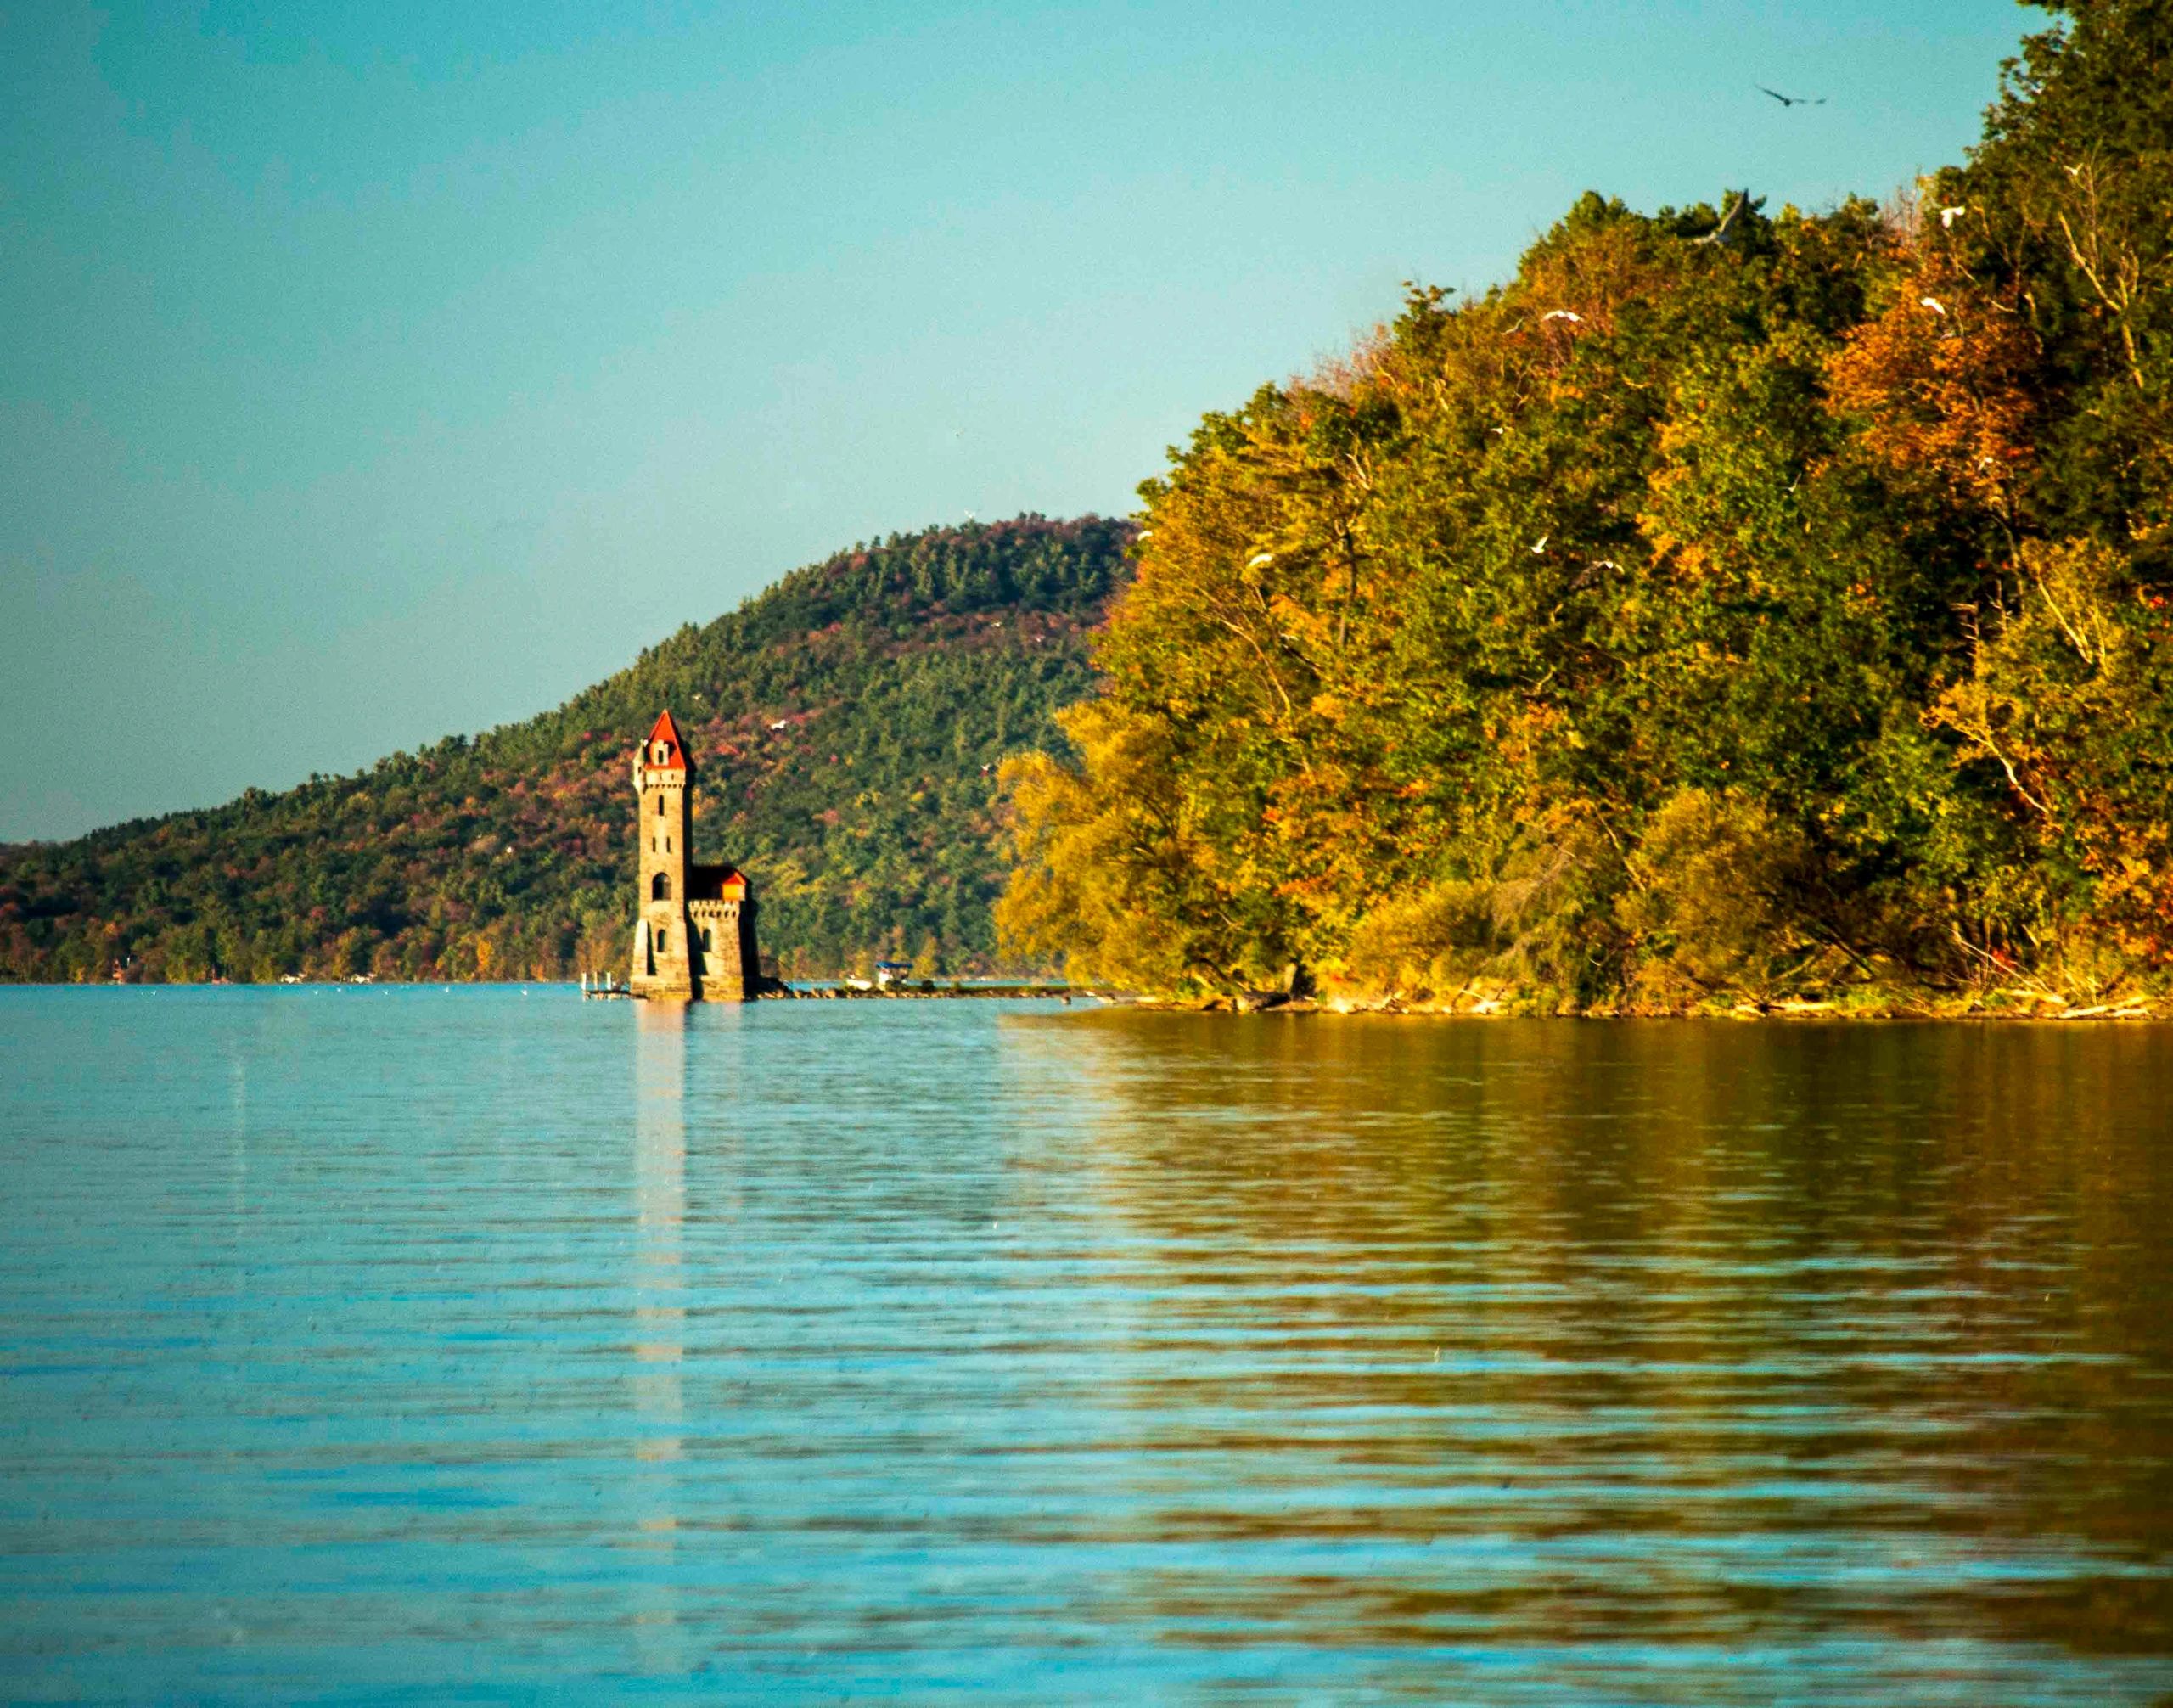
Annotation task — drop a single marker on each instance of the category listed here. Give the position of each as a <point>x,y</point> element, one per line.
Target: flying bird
<point>1934,304</point>
<point>1539,546</point>
<point>1948,215</point>
<point>1794,100</point>
<point>1720,232</point>
<point>1562,314</point>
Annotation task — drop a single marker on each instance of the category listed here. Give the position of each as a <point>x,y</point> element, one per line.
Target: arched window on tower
<point>659,887</point>
<point>706,944</point>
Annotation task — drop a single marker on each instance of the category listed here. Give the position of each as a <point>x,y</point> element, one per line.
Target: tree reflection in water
<point>1582,1339</point>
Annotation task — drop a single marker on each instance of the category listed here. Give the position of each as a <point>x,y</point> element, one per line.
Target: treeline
<point>1738,602</point>
<point>847,723</point>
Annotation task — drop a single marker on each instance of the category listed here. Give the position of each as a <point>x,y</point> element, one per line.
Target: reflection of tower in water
<point>658,1287</point>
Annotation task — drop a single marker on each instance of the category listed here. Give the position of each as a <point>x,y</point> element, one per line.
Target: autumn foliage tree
<point>1731,605</point>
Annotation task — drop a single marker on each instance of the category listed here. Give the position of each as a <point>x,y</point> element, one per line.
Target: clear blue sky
<point>377,369</point>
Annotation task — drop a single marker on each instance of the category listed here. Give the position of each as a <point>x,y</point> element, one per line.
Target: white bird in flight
<point>1562,314</point>
<point>1948,215</point>
<point>1539,545</point>
<point>1934,304</point>
<point>1719,234</point>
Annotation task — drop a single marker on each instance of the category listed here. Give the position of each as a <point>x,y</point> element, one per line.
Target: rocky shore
<point>1488,999</point>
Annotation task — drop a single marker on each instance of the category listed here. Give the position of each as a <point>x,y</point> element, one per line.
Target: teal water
<point>372,1345</point>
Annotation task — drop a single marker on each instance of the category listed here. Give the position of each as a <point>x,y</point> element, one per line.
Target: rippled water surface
<point>359,1344</point>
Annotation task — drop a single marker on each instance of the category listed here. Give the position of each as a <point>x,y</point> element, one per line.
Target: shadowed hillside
<point>846,722</point>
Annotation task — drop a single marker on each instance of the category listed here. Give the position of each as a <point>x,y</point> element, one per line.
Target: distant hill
<point>846,722</point>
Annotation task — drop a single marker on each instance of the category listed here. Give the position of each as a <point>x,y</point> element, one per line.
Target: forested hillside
<point>847,723</point>
<point>1739,603</point>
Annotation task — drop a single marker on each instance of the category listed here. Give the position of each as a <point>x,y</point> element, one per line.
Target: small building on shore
<point>695,924</point>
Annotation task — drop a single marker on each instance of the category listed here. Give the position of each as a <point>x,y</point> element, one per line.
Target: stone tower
<point>695,925</point>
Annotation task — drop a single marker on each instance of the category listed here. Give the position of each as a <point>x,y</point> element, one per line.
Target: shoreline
<point>2032,1010</point>
<point>932,993</point>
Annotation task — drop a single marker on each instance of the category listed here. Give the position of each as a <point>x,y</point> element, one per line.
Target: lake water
<point>371,1344</point>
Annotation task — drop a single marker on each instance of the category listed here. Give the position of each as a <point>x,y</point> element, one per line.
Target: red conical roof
<point>664,736</point>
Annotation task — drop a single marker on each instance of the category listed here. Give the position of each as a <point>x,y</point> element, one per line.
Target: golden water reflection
<point>1567,1331</point>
